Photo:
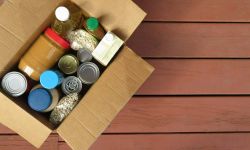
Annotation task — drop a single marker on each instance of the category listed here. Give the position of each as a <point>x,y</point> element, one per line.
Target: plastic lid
<point>88,72</point>
<point>68,64</point>
<point>39,99</point>
<point>92,23</point>
<point>49,79</point>
<point>56,38</point>
<point>62,13</point>
<point>14,83</point>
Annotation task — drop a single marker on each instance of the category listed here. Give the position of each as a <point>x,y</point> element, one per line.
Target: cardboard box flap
<point>104,100</point>
<point>20,121</point>
<point>21,21</point>
<point>119,16</point>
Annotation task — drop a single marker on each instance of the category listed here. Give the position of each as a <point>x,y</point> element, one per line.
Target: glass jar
<point>43,100</point>
<point>67,19</point>
<point>93,26</point>
<point>43,54</point>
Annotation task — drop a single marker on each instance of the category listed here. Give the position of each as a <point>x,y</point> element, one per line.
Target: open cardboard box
<point>22,21</point>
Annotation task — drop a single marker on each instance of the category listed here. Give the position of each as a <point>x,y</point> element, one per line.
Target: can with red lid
<point>43,54</point>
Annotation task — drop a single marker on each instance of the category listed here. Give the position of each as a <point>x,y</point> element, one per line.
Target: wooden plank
<point>198,77</point>
<point>13,142</point>
<point>5,130</point>
<point>238,141</point>
<point>192,40</point>
<point>196,10</point>
<point>183,114</point>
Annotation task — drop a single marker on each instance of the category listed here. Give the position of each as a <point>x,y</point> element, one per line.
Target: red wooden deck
<point>199,96</point>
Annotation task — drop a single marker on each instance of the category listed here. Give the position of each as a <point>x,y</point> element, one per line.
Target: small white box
<point>107,48</point>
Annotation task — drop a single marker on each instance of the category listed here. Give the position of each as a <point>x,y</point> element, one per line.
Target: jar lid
<point>88,73</point>
<point>84,55</point>
<point>14,83</point>
<point>92,23</point>
<point>62,13</point>
<point>56,38</point>
<point>50,79</point>
<point>71,84</point>
<point>39,99</point>
<point>68,64</point>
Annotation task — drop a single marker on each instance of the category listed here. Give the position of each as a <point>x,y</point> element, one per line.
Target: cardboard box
<point>22,21</point>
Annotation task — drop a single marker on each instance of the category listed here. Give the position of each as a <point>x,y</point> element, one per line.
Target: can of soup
<point>84,55</point>
<point>68,64</point>
<point>88,73</point>
<point>15,84</point>
<point>71,84</point>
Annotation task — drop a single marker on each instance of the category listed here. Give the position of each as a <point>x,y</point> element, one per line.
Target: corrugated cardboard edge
<point>105,100</point>
<point>119,16</point>
<point>20,121</point>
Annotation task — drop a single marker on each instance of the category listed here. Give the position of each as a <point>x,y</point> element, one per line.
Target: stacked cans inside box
<point>62,63</point>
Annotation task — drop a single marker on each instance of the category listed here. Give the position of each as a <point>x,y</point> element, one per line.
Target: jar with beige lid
<point>43,54</point>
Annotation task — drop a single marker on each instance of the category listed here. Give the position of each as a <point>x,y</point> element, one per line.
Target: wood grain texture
<point>196,10</point>
<point>192,40</point>
<point>5,130</point>
<point>171,142</point>
<point>183,114</point>
<point>15,142</point>
<point>198,77</point>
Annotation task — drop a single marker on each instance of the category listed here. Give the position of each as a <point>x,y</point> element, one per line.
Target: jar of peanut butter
<point>43,54</point>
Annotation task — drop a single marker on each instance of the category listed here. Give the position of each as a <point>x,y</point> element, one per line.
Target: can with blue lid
<point>50,79</point>
<point>43,100</point>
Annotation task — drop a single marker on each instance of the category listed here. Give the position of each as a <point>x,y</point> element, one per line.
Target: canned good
<point>15,84</point>
<point>63,108</point>
<point>51,79</point>
<point>43,100</point>
<point>71,85</point>
<point>68,64</point>
<point>84,55</point>
<point>88,73</point>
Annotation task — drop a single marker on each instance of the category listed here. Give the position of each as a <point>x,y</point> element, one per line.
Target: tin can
<point>51,79</point>
<point>43,100</point>
<point>15,84</point>
<point>88,73</point>
<point>84,55</point>
<point>71,84</point>
<point>68,64</point>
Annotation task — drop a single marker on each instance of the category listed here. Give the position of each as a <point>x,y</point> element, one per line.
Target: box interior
<point>22,101</point>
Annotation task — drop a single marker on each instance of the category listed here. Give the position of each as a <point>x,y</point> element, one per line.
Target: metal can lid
<point>84,55</point>
<point>14,83</point>
<point>88,73</point>
<point>40,99</point>
<point>68,64</point>
<point>71,84</point>
<point>50,79</point>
